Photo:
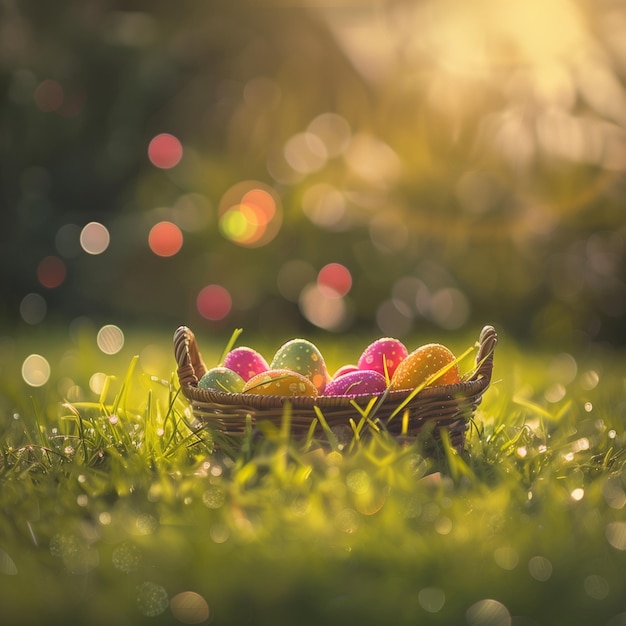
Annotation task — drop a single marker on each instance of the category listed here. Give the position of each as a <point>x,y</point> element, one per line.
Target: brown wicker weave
<point>432,409</point>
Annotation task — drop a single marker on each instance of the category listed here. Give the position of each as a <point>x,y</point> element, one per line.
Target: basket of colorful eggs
<point>406,393</point>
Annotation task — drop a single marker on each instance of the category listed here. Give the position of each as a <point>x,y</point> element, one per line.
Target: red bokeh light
<point>51,272</point>
<point>165,151</point>
<point>334,279</point>
<point>214,302</point>
<point>165,239</point>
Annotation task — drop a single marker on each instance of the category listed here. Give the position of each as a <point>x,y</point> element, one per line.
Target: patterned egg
<point>222,379</point>
<point>280,382</point>
<point>303,357</point>
<point>246,362</point>
<point>355,383</point>
<point>345,369</point>
<point>384,351</point>
<point>423,363</point>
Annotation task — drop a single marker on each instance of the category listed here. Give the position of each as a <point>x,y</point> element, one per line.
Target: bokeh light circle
<point>33,308</point>
<point>35,370</point>
<point>165,151</point>
<point>325,206</point>
<point>152,599</point>
<point>94,238</point>
<point>488,612</point>
<point>165,239</point>
<point>97,382</point>
<point>305,153</point>
<point>333,130</point>
<point>51,272</point>
<point>250,214</point>
<point>189,607</point>
<point>431,599</point>
<point>110,339</point>
<point>67,241</point>
<point>214,302</point>
<point>327,312</point>
<point>334,280</point>
<point>449,308</point>
<point>615,533</point>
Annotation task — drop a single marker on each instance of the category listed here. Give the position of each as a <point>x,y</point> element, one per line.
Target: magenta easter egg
<point>385,353</point>
<point>246,362</point>
<point>361,382</point>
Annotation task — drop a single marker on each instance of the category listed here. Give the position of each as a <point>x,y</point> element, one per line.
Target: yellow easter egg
<point>280,382</point>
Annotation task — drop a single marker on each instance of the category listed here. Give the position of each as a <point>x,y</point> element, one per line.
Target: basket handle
<point>484,359</point>
<point>191,367</point>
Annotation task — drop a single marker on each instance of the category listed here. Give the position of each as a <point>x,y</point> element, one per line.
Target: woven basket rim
<point>191,367</point>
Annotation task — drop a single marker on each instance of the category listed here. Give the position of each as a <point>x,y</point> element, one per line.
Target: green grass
<point>112,505</point>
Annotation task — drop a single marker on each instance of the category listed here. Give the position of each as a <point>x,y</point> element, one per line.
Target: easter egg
<point>303,357</point>
<point>386,352</point>
<point>354,383</point>
<point>222,379</point>
<point>280,382</point>
<point>422,364</point>
<point>246,362</point>
<point>345,369</point>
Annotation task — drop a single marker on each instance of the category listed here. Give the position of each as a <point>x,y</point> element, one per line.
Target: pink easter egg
<point>385,351</point>
<point>246,362</point>
<point>360,382</point>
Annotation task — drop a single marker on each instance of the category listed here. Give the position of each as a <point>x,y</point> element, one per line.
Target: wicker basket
<point>432,409</point>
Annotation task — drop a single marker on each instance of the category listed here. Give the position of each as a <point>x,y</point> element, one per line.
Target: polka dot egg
<point>359,382</point>
<point>385,353</point>
<point>303,357</point>
<point>280,382</point>
<point>222,379</point>
<point>422,364</point>
<point>246,362</point>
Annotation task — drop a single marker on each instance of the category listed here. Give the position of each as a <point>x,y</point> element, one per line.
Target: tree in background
<point>397,166</point>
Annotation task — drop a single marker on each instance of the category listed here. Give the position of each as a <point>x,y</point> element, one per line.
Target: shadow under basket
<point>429,411</point>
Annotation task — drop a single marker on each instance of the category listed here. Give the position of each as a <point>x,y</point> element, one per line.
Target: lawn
<point>115,509</point>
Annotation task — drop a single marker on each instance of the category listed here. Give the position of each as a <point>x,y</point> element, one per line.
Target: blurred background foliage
<point>388,167</point>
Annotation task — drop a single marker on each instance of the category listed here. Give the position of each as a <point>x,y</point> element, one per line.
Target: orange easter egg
<point>424,363</point>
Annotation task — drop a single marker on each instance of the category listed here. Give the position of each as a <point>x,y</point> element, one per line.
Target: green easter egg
<point>303,357</point>
<point>222,379</point>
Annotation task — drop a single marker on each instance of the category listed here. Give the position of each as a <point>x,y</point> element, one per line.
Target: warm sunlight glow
<point>476,38</point>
